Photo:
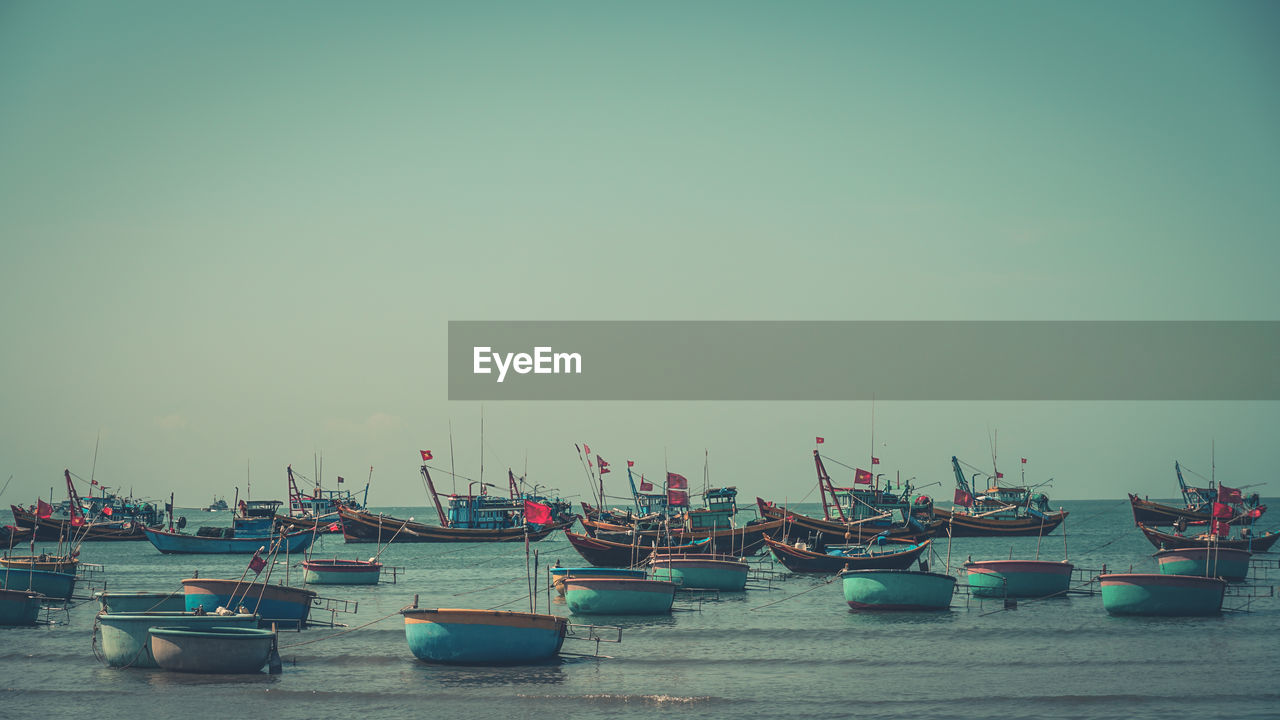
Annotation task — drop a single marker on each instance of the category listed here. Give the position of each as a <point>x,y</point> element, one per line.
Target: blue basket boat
<point>341,572</point>
<point>618,596</point>
<point>560,574</point>
<point>897,589</point>
<point>1227,563</point>
<point>483,637</point>
<point>126,638</point>
<point>142,601</point>
<point>701,572</point>
<point>1170,595</point>
<point>1019,578</point>
<point>283,604</point>
<point>53,585</point>
<point>215,650</point>
<point>19,607</point>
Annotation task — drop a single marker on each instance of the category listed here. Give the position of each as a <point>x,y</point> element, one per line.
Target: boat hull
<point>482,637</point>
<point>701,572</point>
<point>1167,595</point>
<point>223,650</point>
<point>964,525</point>
<point>605,553</point>
<point>830,532</point>
<point>560,574</point>
<point>341,572</point>
<point>50,529</point>
<point>126,638</point>
<point>1154,514</point>
<point>19,607</point>
<point>1018,578</point>
<point>1171,541</point>
<point>53,585</point>
<point>138,602</point>
<point>40,562</point>
<point>1226,563</point>
<point>896,556</point>
<point>618,596</point>
<point>172,543</point>
<point>359,526</point>
<point>281,604</point>
<point>897,590</point>
<point>743,541</point>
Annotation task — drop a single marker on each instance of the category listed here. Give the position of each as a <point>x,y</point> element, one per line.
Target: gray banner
<point>643,360</point>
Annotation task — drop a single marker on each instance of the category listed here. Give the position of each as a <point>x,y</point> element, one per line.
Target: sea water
<point>788,647</point>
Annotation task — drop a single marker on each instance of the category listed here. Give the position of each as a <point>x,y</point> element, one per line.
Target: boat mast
<point>435,498</point>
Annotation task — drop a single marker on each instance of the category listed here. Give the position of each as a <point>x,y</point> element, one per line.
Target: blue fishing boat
<point>560,574</point>
<point>244,537</point>
<point>19,607</point>
<point>126,639</point>
<point>135,602</point>
<point>701,572</point>
<point>1227,563</point>
<point>482,637</point>
<point>281,604</point>
<point>1169,595</point>
<point>53,585</point>
<point>897,589</point>
<point>218,650</point>
<point>618,596</point>
<point>1018,578</point>
<point>341,572</point>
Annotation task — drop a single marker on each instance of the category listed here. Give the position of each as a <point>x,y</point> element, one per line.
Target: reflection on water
<point>550,672</point>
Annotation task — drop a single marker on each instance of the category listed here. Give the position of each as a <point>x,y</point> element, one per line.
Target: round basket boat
<point>216,650</point>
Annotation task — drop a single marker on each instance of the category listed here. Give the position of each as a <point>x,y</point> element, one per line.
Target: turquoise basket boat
<point>618,596</point>
<point>701,572</point>
<point>897,589</point>
<point>1018,578</point>
<point>482,637</point>
<point>282,604</point>
<point>19,607</point>
<point>53,585</point>
<point>560,574</point>
<point>1171,595</point>
<point>216,650</point>
<point>1226,563</point>
<point>126,638</point>
<point>341,572</point>
<point>137,602</point>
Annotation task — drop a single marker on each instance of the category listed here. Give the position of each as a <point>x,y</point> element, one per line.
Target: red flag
<point>645,485</point>
<point>43,509</point>
<point>1222,511</point>
<point>631,463</point>
<point>820,440</point>
<point>1229,495</point>
<point>106,511</point>
<point>76,521</point>
<point>602,465</point>
<point>426,455</point>
<point>1024,461</point>
<point>339,479</point>
<point>92,481</point>
<point>677,498</point>
<point>677,481</point>
<point>256,563</point>
<point>587,449</point>
<point>861,477</point>
<point>999,474</point>
<point>335,527</point>
<point>1221,528</point>
<point>1255,513</point>
<point>963,498</point>
<point>875,460</point>
<point>536,513</point>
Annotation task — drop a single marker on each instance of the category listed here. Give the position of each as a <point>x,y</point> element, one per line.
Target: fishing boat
<point>126,636</point>
<point>1197,505</point>
<point>1227,563</point>
<point>274,603</point>
<point>11,535</point>
<point>699,571</point>
<point>743,541</point>
<point>218,650</point>
<point>258,508</point>
<point>560,574</point>
<point>43,561</point>
<point>999,511</point>
<point>53,585</point>
<point>798,557</point>
<point>1247,540</point>
<point>618,596</point>
<point>19,607</point>
<point>104,517</point>
<point>818,533</point>
<point>244,537</point>
<point>141,601</point>
<point>482,637</point>
<point>317,571</point>
<point>1018,578</point>
<point>606,553</point>
<point>319,509</point>
<point>897,589</point>
<point>1169,595</point>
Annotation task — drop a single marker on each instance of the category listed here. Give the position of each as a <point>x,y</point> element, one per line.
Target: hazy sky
<point>234,232</point>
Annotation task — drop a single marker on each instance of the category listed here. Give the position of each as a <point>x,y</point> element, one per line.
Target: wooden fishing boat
<point>141,601</point>
<point>1019,578</point>
<point>316,571</point>
<point>482,637</point>
<point>359,526</point>
<point>560,574</point>
<point>19,607</point>
<point>126,637</point>
<point>43,561</point>
<point>606,553</point>
<point>1169,595</point>
<point>897,589</point>
<point>1250,542</point>
<point>1227,563</point>
<point>282,604</point>
<point>743,541</point>
<point>11,535</point>
<point>238,542</point>
<point>999,511</point>
<point>698,571</point>
<point>1197,507</point>
<point>818,532</point>
<point>618,596</point>
<point>53,585</point>
<point>106,517</point>
<point>217,650</point>
<point>798,558</point>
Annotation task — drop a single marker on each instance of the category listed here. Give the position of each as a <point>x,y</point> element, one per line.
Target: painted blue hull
<point>1226,563</point>
<point>138,602</point>
<point>282,604</point>
<point>19,607</point>
<point>126,637</point>
<point>53,585</point>
<point>179,543</point>
<point>897,590</point>
<point>1168,595</point>
<point>215,650</point>
<point>484,637</point>
<point>1019,578</point>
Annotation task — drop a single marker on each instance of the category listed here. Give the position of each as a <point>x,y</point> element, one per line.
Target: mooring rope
<point>826,582</point>
<point>341,632</point>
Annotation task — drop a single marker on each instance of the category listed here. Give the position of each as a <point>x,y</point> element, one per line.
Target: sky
<point>232,234</point>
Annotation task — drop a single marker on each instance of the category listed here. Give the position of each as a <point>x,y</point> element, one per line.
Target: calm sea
<point>790,648</point>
